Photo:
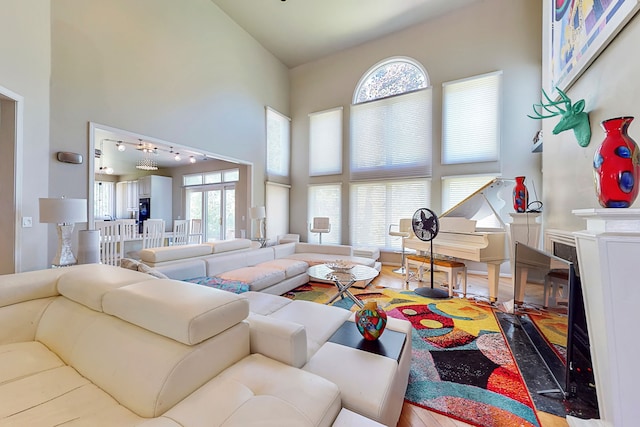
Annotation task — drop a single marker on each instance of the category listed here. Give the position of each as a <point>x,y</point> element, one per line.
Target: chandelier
<point>146,163</point>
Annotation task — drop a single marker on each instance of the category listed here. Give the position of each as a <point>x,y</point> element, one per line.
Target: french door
<point>216,206</point>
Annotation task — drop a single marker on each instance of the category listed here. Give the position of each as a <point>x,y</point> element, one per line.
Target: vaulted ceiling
<point>299,31</point>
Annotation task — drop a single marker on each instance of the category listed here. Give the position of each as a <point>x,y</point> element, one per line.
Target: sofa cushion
<point>87,284</point>
<point>265,304</point>
<point>172,253</point>
<point>258,278</point>
<point>291,267</point>
<point>63,398</point>
<point>219,246</point>
<point>186,269</point>
<point>258,388</point>
<point>202,312</point>
<point>18,360</point>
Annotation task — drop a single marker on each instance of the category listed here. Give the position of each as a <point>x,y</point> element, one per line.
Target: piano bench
<point>451,267</point>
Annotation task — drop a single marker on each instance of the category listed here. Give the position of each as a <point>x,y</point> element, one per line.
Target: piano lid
<point>489,206</point>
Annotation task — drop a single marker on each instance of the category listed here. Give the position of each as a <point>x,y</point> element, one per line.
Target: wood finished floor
<point>477,285</point>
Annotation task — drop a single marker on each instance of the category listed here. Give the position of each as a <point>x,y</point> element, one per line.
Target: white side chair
<point>320,225</point>
<point>128,232</point>
<point>110,242</point>
<point>195,231</point>
<point>180,232</point>
<point>128,228</point>
<point>152,233</point>
<point>402,230</point>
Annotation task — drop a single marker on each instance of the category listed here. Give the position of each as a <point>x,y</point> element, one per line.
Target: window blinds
<point>471,119</point>
<point>375,205</point>
<point>278,144</point>
<point>391,137</point>
<point>325,142</point>
<point>326,200</point>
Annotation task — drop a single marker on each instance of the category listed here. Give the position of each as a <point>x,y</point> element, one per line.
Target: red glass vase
<point>371,321</point>
<point>520,195</point>
<point>616,165</point>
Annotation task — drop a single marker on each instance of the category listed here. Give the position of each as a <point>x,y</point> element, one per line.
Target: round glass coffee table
<point>343,279</point>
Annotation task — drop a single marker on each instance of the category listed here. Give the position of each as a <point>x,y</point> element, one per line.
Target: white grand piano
<point>475,230</point>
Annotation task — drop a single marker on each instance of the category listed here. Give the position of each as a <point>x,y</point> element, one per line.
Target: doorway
<point>215,205</point>
<point>226,207</point>
<point>10,204</point>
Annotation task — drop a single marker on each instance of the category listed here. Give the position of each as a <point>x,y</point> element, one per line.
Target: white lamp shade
<point>258,212</point>
<point>63,211</point>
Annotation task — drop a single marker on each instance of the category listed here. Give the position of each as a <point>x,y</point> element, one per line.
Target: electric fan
<point>426,226</point>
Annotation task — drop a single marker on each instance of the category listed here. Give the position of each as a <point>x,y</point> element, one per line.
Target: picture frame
<point>579,32</point>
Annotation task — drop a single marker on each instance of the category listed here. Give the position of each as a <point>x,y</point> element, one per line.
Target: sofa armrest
<point>278,339</point>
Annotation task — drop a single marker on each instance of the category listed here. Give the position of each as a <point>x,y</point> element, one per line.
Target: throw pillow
<point>129,263</point>
<point>144,268</point>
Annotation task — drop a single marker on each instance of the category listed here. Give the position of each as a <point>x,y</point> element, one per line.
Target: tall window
<point>325,200</point>
<point>278,173</point>
<point>277,207</point>
<point>471,119</point>
<point>104,206</point>
<point>391,149</point>
<point>377,204</point>
<point>278,144</point>
<point>325,142</point>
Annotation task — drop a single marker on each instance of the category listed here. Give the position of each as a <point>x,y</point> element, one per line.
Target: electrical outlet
<point>27,222</point>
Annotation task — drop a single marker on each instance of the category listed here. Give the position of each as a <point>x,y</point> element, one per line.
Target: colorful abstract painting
<point>580,30</point>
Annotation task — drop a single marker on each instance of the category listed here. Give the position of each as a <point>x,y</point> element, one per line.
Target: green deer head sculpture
<point>572,116</point>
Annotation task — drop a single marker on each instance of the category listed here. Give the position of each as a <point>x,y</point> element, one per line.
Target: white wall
<point>174,70</point>
<point>486,36</point>
<point>610,88</point>
<point>24,70</point>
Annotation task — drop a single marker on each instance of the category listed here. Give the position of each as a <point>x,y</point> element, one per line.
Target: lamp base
<point>64,256</point>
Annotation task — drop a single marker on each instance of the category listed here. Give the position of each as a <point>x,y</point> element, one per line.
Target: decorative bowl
<point>341,266</point>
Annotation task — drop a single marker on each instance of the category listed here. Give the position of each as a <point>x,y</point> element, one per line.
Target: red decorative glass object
<point>371,321</point>
<point>616,165</point>
<point>520,195</point>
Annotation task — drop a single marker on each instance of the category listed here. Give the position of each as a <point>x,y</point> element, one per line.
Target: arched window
<point>390,145</point>
<point>393,76</point>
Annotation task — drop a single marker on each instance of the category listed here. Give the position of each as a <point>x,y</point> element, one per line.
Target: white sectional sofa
<point>96,345</point>
<point>274,269</point>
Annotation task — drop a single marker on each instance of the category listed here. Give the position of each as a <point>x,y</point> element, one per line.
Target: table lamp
<point>65,213</point>
<point>259,213</point>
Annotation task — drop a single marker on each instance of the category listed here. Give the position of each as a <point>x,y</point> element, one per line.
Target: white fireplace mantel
<point>609,262</point>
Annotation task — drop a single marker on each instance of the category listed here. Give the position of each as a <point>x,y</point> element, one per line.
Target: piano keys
<point>475,230</point>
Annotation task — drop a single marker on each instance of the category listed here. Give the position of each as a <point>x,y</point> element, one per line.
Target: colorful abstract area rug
<point>461,364</point>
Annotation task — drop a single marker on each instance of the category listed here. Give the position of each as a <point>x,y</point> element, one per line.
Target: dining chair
<point>153,233</point>
<point>195,231</point>
<point>180,232</point>
<point>128,233</point>
<point>128,228</point>
<point>110,242</point>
